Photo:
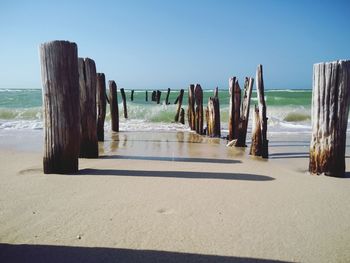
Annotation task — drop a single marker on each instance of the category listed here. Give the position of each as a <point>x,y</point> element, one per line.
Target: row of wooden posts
<point>70,85</point>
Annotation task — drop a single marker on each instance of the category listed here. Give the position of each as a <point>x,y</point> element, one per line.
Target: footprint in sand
<point>165,211</point>
<point>31,171</point>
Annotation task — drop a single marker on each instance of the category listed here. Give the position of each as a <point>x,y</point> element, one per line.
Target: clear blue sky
<point>161,44</point>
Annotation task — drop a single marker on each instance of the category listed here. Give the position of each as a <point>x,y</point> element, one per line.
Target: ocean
<point>288,111</point>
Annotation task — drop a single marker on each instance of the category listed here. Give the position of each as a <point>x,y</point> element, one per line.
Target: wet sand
<point>171,197</point>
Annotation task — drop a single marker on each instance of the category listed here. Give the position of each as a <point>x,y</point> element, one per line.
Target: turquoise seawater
<point>286,109</point>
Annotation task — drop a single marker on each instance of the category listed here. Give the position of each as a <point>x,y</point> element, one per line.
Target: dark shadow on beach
<point>291,155</point>
<point>58,254</point>
<point>169,159</point>
<point>176,174</point>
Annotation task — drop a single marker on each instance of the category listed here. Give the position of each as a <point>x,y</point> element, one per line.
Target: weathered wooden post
<point>167,97</point>
<point>61,101</point>
<point>132,95</point>
<point>231,123</point>
<point>182,116</point>
<point>177,99</point>
<point>101,104</point>
<point>213,117</point>
<point>237,107</point>
<point>159,94</point>
<point>243,123</point>
<point>122,92</point>
<point>256,146</point>
<point>330,109</point>
<point>113,98</point>
<point>154,95</point>
<point>88,114</point>
<point>216,92</point>
<point>179,105</point>
<point>262,116</point>
<point>191,108</point>
<point>198,95</point>
<point>146,95</point>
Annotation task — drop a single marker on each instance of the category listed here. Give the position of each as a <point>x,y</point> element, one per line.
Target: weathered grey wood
<point>61,101</point>
<point>122,92</point>
<point>167,97</point>
<point>113,98</point>
<point>182,116</point>
<point>101,105</point>
<point>237,108</point>
<point>191,108</point>
<point>243,125</point>
<point>330,109</point>
<point>159,94</point>
<point>262,111</point>
<point>88,114</point>
<point>213,117</point>
<point>179,105</point>
<point>256,146</point>
<point>231,123</point>
<point>198,94</point>
<point>132,95</point>
<point>146,95</point>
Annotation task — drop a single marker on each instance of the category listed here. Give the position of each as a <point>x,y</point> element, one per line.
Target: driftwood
<point>132,95</point>
<point>167,97</point>
<point>182,116</point>
<point>113,98</point>
<point>213,117</point>
<point>146,95</point>
<point>122,92</point>
<point>262,116</point>
<point>191,108</point>
<point>179,105</point>
<point>231,120</point>
<point>88,114</point>
<point>243,123</point>
<point>159,94</point>
<point>256,146</point>
<point>60,80</point>
<point>101,105</point>
<point>330,108</point>
<point>198,94</point>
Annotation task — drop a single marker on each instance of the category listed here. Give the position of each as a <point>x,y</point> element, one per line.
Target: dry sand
<point>171,197</point>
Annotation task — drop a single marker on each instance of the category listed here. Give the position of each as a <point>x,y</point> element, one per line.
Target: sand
<point>171,197</point>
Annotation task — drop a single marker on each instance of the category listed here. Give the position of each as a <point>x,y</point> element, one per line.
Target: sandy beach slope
<point>171,197</point>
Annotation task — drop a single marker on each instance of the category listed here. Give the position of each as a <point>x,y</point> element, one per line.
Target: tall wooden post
<point>330,109</point>
<point>182,116</point>
<point>159,94</point>
<point>101,104</point>
<point>256,146</point>
<point>191,108</point>
<point>124,103</point>
<point>179,105</point>
<point>231,123</point>
<point>61,100</point>
<point>213,117</point>
<point>146,95</point>
<point>132,95</point>
<point>237,108</point>
<point>113,103</point>
<point>88,114</point>
<point>154,95</point>
<point>198,94</point>
<point>167,97</point>
<point>243,124</point>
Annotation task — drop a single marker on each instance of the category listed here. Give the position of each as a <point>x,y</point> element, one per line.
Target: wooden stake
<point>213,117</point>
<point>60,80</point>
<point>330,109</point>
<point>101,104</point>
<point>124,103</point>
<point>146,95</point>
<point>113,98</point>
<point>231,123</point>
<point>154,95</point>
<point>216,92</point>
<point>182,116</point>
<point>262,111</point>
<point>159,94</point>
<point>256,146</point>
<point>167,97</point>
<point>198,94</point>
<point>191,108</point>
<point>132,95</point>
<point>237,107</point>
<point>88,114</point>
<point>179,105</point>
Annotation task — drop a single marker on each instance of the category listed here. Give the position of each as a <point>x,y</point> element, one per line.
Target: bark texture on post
<point>113,98</point>
<point>330,109</point>
<point>179,105</point>
<point>101,105</point>
<point>237,109</point>
<point>198,94</point>
<point>191,108</point>
<point>213,117</point>
<point>256,146</point>
<point>167,97</point>
<point>243,124</point>
<point>182,116</point>
<point>122,92</point>
<point>88,114</point>
<point>61,101</point>
<point>231,122</point>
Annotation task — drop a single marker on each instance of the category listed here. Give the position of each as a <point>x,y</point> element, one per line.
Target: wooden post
<point>132,95</point>
<point>167,97</point>
<point>60,80</point>
<point>113,98</point>
<point>243,124</point>
<point>159,94</point>
<point>237,107</point>
<point>213,117</point>
<point>262,111</point>
<point>256,146</point>
<point>101,104</point>
<point>198,94</point>
<point>124,103</point>
<point>154,95</point>
<point>179,105</point>
<point>182,116</point>
<point>191,108</point>
<point>216,92</point>
<point>177,99</point>
<point>146,95</point>
<point>330,109</point>
<point>88,114</point>
<point>231,123</point>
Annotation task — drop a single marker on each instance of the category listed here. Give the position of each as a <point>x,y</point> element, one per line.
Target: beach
<point>171,196</point>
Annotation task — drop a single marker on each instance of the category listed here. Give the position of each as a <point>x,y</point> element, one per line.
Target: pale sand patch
<point>174,192</point>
